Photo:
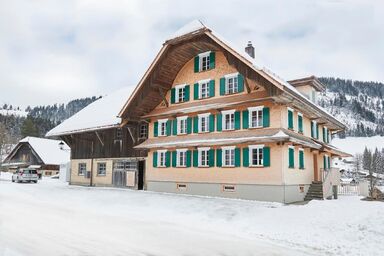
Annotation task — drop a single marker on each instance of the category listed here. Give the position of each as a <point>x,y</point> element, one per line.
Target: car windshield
<point>29,172</point>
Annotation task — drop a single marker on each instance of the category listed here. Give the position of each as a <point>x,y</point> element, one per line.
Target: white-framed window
<point>231,83</point>
<point>204,89</point>
<point>161,158</point>
<point>204,122</point>
<point>314,129</point>
<point>182,125</point>
<point>204,61</point>
<point>82,169</point>
<point>228,156</point>
<point>101,169</point>
<point>181,157</point>
<point>143,131</point>
<point>255,117</point>
<point>162,127</point>
<point>203,154</point>
<point>180,93</point>
<point>228,120</point>
<point>256,155</point>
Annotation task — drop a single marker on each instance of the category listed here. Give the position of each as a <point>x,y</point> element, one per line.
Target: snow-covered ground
<point>52,218</point>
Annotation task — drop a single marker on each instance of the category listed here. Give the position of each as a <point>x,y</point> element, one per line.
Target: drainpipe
<point>91,178</point>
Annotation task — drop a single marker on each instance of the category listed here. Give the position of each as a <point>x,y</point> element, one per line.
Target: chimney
<point>250,50</point>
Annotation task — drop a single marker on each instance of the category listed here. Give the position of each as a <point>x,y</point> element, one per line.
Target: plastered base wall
<point>270,193</point>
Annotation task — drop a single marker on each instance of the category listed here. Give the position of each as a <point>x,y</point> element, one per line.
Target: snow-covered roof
<point>100,114</point>
<point>189,28</point>
<point>48,150</point>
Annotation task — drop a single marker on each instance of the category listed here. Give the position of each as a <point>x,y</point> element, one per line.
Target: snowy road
<point>50,218</point>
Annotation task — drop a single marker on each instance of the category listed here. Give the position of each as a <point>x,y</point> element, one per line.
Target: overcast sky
<point>54,51</point>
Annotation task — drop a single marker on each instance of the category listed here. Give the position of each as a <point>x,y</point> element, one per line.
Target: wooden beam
<point>130,133</point>
<point>163,96</point>
<point>99,137</point>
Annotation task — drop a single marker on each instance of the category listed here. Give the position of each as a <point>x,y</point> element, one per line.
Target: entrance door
<point>140,182</point>
<point>119,178</point>
<point>315,168</point>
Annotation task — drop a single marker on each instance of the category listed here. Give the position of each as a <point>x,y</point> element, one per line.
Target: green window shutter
<point>290,119</point>
<point>237,120</point>
<point>212,60</point>
<point>167,159</point>
<point>329,162</point>
<point>196,124</point>
<point>312,131</point>
<point>300,123</point>
<point>188,158</point>
<point>222,86</point>
<point>219,156</point>
<point>212,88</point>
<point>196,91</point>
<point>211,158</point>
<point>155,129</point>
<point>317,131</point>
<point>324,162</point>
<point>173,95</point>
<point>301,159</point>
<point>189,125</point>
<point>291,158</point>
<point>219,122</point>
<point>246,157</point>
<point>155,159</point>
<point>174,158</point>
<point>240,82</point>
<point>324,134</point>
<point>196,64</point>
<point>211,123</point>
<point>245,119</point>
<point>169,127</point>
<point>195,158</point>
<point>266,156</point>
<point>187,92</point>
<point>237,157</point>
<point>265,117</point>
<point>174,128</point>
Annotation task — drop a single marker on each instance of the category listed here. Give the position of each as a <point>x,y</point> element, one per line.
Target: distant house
<point>102,145</point>
<point>45,155</point>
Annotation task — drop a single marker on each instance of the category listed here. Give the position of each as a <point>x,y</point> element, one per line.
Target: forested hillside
<point>360,105</point>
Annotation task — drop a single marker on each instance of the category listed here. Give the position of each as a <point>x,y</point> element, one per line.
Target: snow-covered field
<point>354,145</point>
<point>51,218</point>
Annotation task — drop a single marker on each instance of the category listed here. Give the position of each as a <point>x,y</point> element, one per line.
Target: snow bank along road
<point>51,218</point>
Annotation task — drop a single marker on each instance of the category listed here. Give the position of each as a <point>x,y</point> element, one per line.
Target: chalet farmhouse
<point>218,125</point>
<point>44,155</point>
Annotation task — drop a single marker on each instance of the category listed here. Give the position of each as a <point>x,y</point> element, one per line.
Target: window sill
<point>256,166</point>
<point>182,167</point>
<point>203,71</point>
<point>302,169</point>
<point>101,175</point>
<point>228,166</point>
<point>259,127</point>
<point>229,130</point>
<point>204,167</point>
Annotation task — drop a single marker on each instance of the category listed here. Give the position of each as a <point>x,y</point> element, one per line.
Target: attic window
<point>143,131</point>
<point>204,61</point>
<point>119,134</point>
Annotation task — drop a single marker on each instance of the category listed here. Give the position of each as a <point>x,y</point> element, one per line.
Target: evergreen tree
<point>367,159</point>
<point>29,128</point>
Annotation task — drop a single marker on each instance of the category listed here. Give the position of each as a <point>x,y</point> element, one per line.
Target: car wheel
<point>35,181</point>
<point>13,180</point>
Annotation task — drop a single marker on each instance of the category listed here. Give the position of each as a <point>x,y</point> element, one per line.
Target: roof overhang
<point>311,81</point>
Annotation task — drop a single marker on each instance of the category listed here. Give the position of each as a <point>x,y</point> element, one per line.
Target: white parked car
<point>25,175</point>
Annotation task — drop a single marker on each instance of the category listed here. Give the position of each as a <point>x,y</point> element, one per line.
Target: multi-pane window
<point>204,90</point>
<point>162,158</point>
<point>180,94</point>
<point>203,157</point>
<point>101,169</point>
<point>204,123</point>
<point>228,120</point>
<point>232,85</point>
<point>182,158</point>
<point>256,117</point>
<point>82,169</point>
<point>256,155</point>
<point>143,131</point>
<point>162,127</point>
<point>182,125</point>
<point>229,156</point>
<point>204,61</point>
<point>118,134</point>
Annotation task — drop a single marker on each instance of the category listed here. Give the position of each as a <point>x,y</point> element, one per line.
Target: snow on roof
<point>100,114</point>
<point>49,150</point>
<point>190,27</point>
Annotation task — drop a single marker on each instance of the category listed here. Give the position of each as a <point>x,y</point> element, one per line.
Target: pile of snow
<point>49,151</point>
<point>84,220</point>
<point>354,145</point>
<point>101,114</point>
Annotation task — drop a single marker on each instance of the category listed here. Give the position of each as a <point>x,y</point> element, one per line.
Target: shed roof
<point>101,114</point>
